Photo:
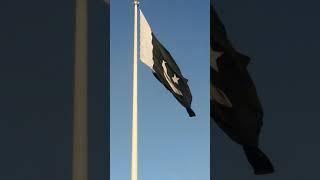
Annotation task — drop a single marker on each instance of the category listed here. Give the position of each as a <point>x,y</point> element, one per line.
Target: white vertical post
<point>80,139</point>
<point>134,153</point>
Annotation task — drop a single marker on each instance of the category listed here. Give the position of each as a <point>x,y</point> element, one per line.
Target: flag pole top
<point>136,2</point>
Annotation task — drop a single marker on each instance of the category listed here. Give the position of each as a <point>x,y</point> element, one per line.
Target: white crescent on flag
<point>165,72</point>
<point>213,61</point>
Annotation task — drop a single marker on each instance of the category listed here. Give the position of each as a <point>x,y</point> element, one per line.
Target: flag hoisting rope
<point>134,152</point>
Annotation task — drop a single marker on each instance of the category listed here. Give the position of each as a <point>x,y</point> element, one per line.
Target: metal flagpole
<point>134,153</point>
<point>80,139</point>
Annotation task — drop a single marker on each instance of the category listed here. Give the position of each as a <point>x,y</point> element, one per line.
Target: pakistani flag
<point>163,66</point>
<point>235,105</point>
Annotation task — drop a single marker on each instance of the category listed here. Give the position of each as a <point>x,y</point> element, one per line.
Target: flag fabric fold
<point>235,105</point>
<point>163,66</point>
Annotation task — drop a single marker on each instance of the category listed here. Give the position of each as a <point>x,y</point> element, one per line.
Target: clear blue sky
<point>172,146</point>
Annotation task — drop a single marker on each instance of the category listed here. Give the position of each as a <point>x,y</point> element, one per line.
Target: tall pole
<point>80,139</point>
<point>134,153</point>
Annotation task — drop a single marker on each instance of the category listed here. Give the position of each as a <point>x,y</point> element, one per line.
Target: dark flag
<point>165,69</point>
<point>235,105</point>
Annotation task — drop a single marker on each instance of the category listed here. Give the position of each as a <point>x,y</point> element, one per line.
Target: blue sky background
<point>172,146</point>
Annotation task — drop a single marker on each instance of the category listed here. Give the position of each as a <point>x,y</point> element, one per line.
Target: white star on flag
<point>175,79</point>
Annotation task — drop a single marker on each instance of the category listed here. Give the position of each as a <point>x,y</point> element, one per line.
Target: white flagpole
<point>80,139</point>
<point>134,153</point>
